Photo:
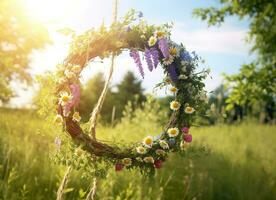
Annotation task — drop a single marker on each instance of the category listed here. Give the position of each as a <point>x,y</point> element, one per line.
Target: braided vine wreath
<point>154,43</point>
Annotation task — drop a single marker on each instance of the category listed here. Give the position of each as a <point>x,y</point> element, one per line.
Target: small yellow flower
<point>149,159</point>
<point>127,161</point>
<point>65,97</point>
<point>189,110</point>
<point>175,105</point>
<point>141,150</point>
<point>163,144</point>
<point>160,152</point>
<point>148,141</point>
<point>173,89</point>
<point>76,68</point>
<point>184,145</point>
<point>152,41</point>
<point>69,74</point>
<point>168,61</point>
<point>58,119</point>
<point>76,117</point>
<point>79,151</point>
<point>173,51</point>
<point>173,132</point>
<point>160,34</point>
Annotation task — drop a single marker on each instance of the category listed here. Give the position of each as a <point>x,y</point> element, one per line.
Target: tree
<point>130,89</point>
<point>19,36</point>
<point>255,83</point>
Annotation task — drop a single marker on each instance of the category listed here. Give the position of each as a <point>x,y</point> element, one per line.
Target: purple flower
<point>155,56</point>
<point>75,90</point>
<point>164,47</point>
<point>185,55</point>
<point>172,73</point>
<point>136,57</point>
<point>185,130</point>
<point>171,142</point>
<point>148,59</point>
<point>187,137</point>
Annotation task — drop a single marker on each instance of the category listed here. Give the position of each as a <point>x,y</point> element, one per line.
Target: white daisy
<point>173,132</point>
<point>168,61</point>
<point>141,150</point>
<point>64,98</point>
<point>160,152</point>
<point>127,161</point>
<point>175,105</point>
<point>152,41</point>
<point>174,89</point>
<point>163,144</point>
<point>189,110</point>
<point>148,141</point>
<point>149,159</point>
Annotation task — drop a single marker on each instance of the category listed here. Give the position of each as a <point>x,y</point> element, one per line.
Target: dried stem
<point>92,192</point>
<point>63,184</point>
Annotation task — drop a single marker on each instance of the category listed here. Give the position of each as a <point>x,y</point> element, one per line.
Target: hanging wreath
<point>155,45</point>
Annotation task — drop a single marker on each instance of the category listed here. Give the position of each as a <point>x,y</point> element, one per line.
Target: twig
<point>63,184</point>
<point>92,192</point>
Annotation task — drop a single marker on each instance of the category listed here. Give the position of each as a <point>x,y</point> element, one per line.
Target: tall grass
<point>241,163</point>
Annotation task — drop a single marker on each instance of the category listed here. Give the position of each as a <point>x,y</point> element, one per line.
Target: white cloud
<point>224,39</point>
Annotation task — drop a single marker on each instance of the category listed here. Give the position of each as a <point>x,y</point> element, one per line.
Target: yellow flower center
<point>173,132</point>
<point>148,141</point>
<point>175,104</point>
<point>189,109</point>
<point>173,51</point>
<point>160,34</point>
<point>65,98</point>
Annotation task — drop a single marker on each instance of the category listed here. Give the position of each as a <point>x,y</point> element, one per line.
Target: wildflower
<point>118,167</point>
<point>58,119</point>
<point>79,151</point>
<point>158,164</point>
<point>76,117</point>
<point>174,51</point>
<point>148,141</point>
<point>164,47</point>
<point>160,34</point>
<point>173,132</point>
<point>168,60</point>
<point>167,80</point>
<point>164,144</point>
<point>185,130</point>
<point>160,152</point>
<point>76,68</point>
<point>173,73</point>
<point>141,150</point>
<point>149,159</point>
<point>155,56</point>
<point>183,77</point>
<point>65,97</point>
<point>184,145</point>
<point>189,110</point>
<point>127,161</point>
<point>187,138</point>
<point>174,90</point>
<point>152,41</point>
<point>136,57</point>
<point>175,105</point>
<point>148,59</point>
<point>171,142</point>
<point>69,74</point>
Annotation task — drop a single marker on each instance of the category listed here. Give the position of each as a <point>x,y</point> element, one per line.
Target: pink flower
<point>118,167</point>
<point>158,164</point>
<point>187,137</point>
<point>185,130</point>
<point>75,90</point>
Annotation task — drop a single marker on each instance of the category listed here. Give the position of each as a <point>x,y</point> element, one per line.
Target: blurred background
<point>236,39</point>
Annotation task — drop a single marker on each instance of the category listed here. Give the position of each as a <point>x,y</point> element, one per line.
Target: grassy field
<point>241,163</point>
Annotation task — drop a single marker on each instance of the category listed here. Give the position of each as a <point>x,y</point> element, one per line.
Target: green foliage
<point>241,164</point>
<point>255,85</point>
<point>20,36</point>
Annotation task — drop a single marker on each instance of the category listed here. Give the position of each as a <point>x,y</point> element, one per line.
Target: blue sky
<point>223,48</point>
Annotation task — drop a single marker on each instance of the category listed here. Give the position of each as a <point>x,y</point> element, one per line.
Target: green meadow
<point>239,163</point>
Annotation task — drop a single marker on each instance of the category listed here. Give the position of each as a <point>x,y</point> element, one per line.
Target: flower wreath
<point>154,42</point>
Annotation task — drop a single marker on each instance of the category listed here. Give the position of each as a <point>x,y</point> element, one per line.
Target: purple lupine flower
<point>155,56</point>
<point>164,47</point>
<point>172,73</point>
<point>136,57</point>
<point>148,59</point>
<point>75,90</point>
